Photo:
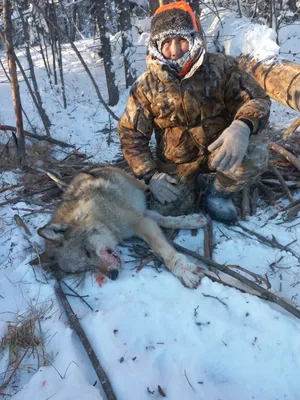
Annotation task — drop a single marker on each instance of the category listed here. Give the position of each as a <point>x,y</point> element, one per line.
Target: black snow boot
<point>219,204</point>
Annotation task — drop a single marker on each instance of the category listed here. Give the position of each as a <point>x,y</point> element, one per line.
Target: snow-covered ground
<point>147,329</point>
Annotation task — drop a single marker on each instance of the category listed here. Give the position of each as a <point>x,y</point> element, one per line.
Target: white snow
<point>146,328</point>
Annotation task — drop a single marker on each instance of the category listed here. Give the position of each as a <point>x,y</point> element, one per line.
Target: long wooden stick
<point>283,184</point>
<point>292,128</point>
<point>286,154</point>
<point>266,294</point>
<point>208,240</point>
<point>272,243</point>
<point>245,205</point>
<point>106,385</point>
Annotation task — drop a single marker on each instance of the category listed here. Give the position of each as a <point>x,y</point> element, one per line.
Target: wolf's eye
<point>88,254</point>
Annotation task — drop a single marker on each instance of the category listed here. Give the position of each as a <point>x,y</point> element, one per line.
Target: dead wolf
<point>100,209</point>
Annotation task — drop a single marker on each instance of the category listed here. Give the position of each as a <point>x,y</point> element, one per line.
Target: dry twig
<point>77,295</point>
<point>295,203</point>
<point>266,294</point>
<point>35,136</point>
<point>245,203</point>
<point>272,243</point>
<point>282,182</point>
<point>208,239</point>
<point>292,128</point>
<point>286,154</point>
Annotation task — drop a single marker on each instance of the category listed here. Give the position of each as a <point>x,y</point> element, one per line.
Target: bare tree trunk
<point>7,36</point>
<point>32,74</point>
<point>154,4</point>
<point>43,35</point>
<point>273,17</point>
<point>38,31</point>
<point>59,58</point>
<point>72,25</point>
<point>52,39</point>
<point>31,93</point>
<point>63,34</point>
<point>239,8</point>
<point>113,93</point>
<point>293,5</point>
<point>125,28</point>
<point>255,9</point>
<point>23,111</point>
<point>279,78</point>
<point>195,5</point>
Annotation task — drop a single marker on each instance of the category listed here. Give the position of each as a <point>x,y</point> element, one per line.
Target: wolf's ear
<point>53,232</point>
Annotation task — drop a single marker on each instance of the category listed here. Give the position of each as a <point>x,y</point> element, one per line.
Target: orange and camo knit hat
<point>176,19</point>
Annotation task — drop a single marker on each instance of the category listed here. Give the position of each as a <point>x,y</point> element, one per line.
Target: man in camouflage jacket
<point>206,114</point>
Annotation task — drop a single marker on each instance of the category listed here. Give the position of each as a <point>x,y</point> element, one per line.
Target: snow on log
<point>255,47</point>
<point>279,78</point>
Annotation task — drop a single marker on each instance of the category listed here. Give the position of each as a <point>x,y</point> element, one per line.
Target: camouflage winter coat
<point>187,114</point>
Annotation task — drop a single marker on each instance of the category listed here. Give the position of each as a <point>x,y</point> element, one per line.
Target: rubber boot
<point>219,204</point>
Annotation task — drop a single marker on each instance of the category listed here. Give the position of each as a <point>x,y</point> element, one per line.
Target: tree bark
<point>195,5</point>
<point>7,36</point>
<point>125,28</point>
<point>280,79</point>
<point>41,109</point>
<point>113,93</point>
<point>59,58</point>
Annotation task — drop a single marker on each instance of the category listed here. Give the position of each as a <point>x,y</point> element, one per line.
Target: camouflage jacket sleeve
<point>135,129</point>
<point>245,98</point>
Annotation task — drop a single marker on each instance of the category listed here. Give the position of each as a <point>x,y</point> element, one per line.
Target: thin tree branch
<point>106,385</point>
<point>38,137</point>
<point>266,294</point>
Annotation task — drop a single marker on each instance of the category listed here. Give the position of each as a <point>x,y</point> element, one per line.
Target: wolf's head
<point>76,249</point>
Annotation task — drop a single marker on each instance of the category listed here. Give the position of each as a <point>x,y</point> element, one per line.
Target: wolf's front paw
<point>186,271</point>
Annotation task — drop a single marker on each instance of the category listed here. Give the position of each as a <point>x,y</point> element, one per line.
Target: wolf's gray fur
<point>100,209</point>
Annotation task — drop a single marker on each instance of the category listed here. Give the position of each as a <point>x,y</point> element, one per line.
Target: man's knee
<point>253,165</point>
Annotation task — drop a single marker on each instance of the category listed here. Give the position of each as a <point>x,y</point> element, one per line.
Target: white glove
<point>233,145</point>
<point>162,187</point>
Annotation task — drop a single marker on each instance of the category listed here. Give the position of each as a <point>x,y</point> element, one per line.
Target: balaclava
<point>176,19</point>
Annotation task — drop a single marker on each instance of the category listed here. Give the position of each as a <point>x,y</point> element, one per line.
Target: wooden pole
<point>7,36</point>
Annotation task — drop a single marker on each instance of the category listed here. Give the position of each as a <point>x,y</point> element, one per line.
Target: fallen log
<point>279,78</point>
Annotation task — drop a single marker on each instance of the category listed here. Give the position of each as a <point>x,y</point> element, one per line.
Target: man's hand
<point>163,188</point>
<point>232,145</point>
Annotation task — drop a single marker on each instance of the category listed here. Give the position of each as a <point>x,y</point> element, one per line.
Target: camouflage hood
<point>176,19</point>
